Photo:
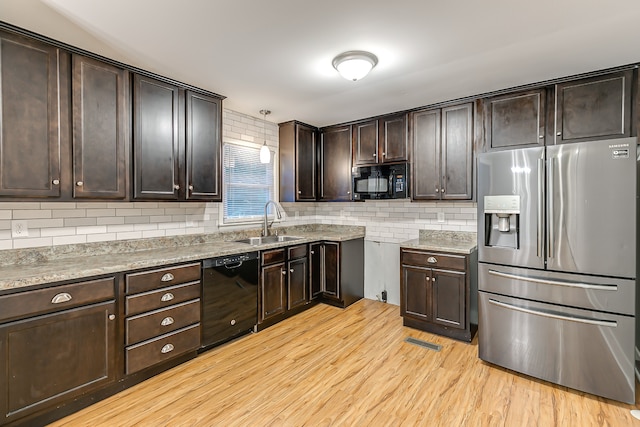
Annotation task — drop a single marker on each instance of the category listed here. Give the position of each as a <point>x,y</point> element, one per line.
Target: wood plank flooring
<point>333,367</point>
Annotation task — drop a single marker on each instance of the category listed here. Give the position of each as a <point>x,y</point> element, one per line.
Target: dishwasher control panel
<point>234,259</point>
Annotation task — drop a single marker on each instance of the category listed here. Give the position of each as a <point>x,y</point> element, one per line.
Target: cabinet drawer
<point>271,257</point>
<point>154,279</point>
<point>152,300</point>
<point>433,259</point>
<point>165,347</point>
<point>297,251</point>
<point>56,298</point>
<point>158,322</point>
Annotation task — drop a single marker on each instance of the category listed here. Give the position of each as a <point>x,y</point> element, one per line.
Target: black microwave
<point>381,182</point>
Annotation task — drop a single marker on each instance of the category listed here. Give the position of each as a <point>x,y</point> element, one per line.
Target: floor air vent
<point>425,344</point>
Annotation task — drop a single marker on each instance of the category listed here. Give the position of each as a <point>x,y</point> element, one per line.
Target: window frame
<point>276,186</point>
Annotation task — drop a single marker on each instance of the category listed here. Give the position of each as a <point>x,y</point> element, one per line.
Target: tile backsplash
<point>61,223</point>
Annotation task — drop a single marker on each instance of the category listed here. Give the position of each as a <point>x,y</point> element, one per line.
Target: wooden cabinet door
<point>273,292</point>
<point>331,260</point>
<point>30,147</point>
<point>426,155</point>
<point>315,270</point>
<point>203,147</point>
<point>365,143</point>
<point>415,293</point>
<point>457,152</point>
<point>306,164</point>
<point>297,280</point>
<point>156,140</point>
<point>100,129</point>
<point>335,164</point>
<point>516,119</point>
<point>594,108</point>
<point>393,138</point>
<point>52,358</point>
<point>449,298</point>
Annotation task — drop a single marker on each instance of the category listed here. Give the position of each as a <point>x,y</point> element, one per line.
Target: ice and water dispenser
<point>502,221</point>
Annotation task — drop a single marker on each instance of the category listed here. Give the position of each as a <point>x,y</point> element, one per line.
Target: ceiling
<point>277,54</point>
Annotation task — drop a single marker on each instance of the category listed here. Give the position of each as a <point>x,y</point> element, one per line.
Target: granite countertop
<point>30,267</point>
<point>461,242</point>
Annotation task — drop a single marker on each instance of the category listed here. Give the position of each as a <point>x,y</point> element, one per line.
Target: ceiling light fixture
<point>265,154</point>
<point>354,64</point>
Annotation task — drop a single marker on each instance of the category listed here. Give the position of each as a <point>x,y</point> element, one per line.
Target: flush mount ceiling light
<point>354,64</point>
<point>265,154</point>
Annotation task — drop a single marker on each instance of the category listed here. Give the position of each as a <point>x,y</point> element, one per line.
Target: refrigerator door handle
<point>550,190</point>
<point>539,250</point>
<point>587,286</point>
<point>608,323</point>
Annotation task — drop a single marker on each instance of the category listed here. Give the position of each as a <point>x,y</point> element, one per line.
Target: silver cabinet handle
<point>167,348</point>
<point>55,182</point>
<point>348,192</point>
<point>284,272</point>
<point>609,323</point>
<point>375,155</point>
<point>437,190</point>
<point>112,317</point>
<point>60,298</point>
<point>432,260</point>
<point>555,282</point>
<point>433,279</point>
<point>559,133</point>
<point>167,321</point>
<point>384,154</point>
<point>541,136</point>
<point>176,187</point>
<point>291,270</point>
<point>313,252</point>
<point>167,297</point>
<point>191,188</point>
<point>299,192</point>
<point>79,183</point>
<point>167,277</point>
<point>443,190</point>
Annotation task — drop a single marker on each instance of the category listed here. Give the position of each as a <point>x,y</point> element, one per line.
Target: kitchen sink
<point>256,241</point>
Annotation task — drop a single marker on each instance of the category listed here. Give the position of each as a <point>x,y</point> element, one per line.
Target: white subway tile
<point>5,225</point>
<point>32,243</point>
<point>69,240</point>
<point>110,221</point>
<point>107,237</point>
<point>128,212</point>
<point>96,229</point>
<point>93,205</point>
<point>20,205</point>
<point>28,214</point>
<point>6,214</point>
<point>153,233</point>
<point>129,235</point>
<point>119,228</point>
<point>6,244</point>
<point>79,222</point>
<point>63,231</point>
<point>57,205</point>
<point>45,223</point>
<point>63,213</point>
<point>100,212</point>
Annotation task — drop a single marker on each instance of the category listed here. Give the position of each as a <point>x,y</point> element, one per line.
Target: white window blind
<point>248,184</point>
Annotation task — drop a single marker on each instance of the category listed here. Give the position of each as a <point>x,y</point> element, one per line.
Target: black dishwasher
<point>229,298</point>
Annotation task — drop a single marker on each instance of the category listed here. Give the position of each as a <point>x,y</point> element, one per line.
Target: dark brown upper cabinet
<point>204,136</point>
<point>442,153</point>
<point>594,108</point>
<point>34,79</point>
<point>156,139</point>
<point>335,164</point>
<point>586,109</point>
<point>100,129</point>
<point>177,150</point>
<point>298,162</point>
<point>516,120</point>
<point>383,140</point>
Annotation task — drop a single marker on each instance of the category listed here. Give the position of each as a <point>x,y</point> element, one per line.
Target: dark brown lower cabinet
<point>284,277</point>
<point>337,272</point>
<point>50,359</point>
<point>436,292</point>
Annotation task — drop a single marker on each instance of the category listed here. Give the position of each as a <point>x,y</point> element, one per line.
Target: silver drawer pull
<point>167,297</point>
<point>432,260</point>
<point>167,348</point>
<point>60,298</point>
<point>167,277</point>
<point>167,321</point>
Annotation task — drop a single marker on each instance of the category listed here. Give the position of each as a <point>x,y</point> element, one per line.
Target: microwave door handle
<point>391,186</point>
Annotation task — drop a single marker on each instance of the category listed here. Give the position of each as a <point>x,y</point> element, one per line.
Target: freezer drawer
<point>580,349</point>
<point>575,290</point>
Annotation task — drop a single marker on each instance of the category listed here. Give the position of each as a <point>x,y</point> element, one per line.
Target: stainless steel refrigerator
<point>557,264</point>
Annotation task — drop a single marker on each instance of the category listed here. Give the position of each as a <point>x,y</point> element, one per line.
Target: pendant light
<point>354,64</point>
<point>265,154</point>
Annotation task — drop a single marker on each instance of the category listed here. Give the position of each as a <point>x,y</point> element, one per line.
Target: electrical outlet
<point>19,229</point>
<point>440,216</point>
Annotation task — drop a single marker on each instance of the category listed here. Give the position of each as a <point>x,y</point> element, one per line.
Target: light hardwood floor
<point>333,367</point>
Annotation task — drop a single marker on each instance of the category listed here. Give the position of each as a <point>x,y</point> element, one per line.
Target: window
<point>247,183</point>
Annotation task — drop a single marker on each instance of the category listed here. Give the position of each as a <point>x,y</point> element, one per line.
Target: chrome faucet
<point>265,228</point>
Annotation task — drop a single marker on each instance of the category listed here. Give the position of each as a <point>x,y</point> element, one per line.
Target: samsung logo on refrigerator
<point>620,151</point>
